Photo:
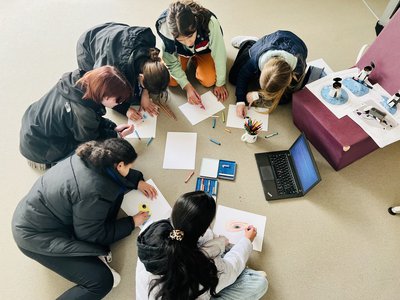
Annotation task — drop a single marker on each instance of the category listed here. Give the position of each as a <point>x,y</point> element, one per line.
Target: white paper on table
<point>209,167</point>
<point>237,122</point>
<point>231,223</point>
<point>338,110</point>
<point>158,207</point>
<point>180,150</point>
<point>195,114</point>
<point>146,128</point>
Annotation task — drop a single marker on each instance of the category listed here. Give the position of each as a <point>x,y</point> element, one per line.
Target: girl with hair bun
<point>68,220</point>
<point>72,113</point>
<point>191,32</point>
<point>131,49</point>
<point>181,259</point>
<point>275,64</point>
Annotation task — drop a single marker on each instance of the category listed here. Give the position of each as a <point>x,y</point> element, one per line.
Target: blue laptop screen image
<point>306,169</point>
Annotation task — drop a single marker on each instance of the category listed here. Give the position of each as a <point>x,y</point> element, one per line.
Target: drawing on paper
<point>375,117</point>
<point>236,226</point>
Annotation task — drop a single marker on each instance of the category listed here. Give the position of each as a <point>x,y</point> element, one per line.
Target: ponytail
<point>155,73</point>
<point>103,154</point>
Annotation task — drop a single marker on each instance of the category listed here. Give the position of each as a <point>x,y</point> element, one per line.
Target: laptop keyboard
<point>285,182</point>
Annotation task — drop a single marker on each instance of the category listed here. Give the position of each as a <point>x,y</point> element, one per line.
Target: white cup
<point>248,138</point>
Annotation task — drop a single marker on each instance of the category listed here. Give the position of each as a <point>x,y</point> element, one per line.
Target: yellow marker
<point>223,117</point>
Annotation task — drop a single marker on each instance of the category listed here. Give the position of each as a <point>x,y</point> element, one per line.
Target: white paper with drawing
<point>135,201</point>
<point>146,128</point>
<point>195,114</point>
<point>232,222</point>
<point>237,122</point>
<point>180,150</point>
<point>377,119</point>
<point>347,101</point>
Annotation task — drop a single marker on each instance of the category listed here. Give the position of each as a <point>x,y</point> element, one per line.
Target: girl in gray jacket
<point>68,220</point>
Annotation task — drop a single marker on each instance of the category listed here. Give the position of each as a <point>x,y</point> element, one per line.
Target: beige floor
<point>338,242</point>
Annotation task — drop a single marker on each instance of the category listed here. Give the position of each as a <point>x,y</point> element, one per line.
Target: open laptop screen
<point>304,162</point>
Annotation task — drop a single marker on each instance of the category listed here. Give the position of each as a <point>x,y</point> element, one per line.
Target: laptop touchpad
<point>266,173</point>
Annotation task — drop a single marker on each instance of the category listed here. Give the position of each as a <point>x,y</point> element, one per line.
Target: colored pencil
<point>189,176</point>
<point>214,141</point>
<point>271,135</point>
<point>149,141</point>
<point>137,134</point>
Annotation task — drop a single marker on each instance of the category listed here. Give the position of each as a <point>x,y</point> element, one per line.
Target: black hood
<point>151,247</point>
<point>67,87</point>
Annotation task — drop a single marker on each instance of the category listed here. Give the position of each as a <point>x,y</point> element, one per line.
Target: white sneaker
<point>116,276</point>
<point>261,273</point>
<point>240,39</point>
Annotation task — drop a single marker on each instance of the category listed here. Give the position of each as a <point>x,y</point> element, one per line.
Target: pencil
<point>149,141</point>
<point>271,135</point>
<point>137,134</point>
<point>190,176</point>
<point>214,141</point>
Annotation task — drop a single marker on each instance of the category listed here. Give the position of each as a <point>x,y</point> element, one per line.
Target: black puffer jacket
<point>120,45</point>
<point>55,125</point>
<point>71,210</point>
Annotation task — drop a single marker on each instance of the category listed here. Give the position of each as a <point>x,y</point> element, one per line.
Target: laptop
<point>288,174</point>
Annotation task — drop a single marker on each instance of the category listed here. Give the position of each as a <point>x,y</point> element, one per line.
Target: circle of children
<point>68,220</point>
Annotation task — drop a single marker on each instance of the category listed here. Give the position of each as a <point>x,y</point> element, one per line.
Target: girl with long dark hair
<point>180,258</point>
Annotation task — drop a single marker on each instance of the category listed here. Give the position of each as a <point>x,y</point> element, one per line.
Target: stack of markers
<point>252,128</point>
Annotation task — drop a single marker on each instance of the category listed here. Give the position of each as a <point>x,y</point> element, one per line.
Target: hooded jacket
<point>56,124</point>
<point>152,259</point>
<point>279,40</point>
<point>119,45</point>
<point>71,210</point>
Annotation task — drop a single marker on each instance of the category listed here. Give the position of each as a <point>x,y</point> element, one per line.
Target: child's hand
<point>133,114</point>
<point>148,190</point>
<point>250,233</point>
<point>148,105</point>
<point>221,93</point>
<point>124,129</point>
<point>140,218</point>
<point>241,111</point>
<point>192,96</point>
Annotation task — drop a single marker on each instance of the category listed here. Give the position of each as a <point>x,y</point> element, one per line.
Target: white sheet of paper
<point>158,207</point>
<point>180,150</point>
<point>195,114</point>
<point>382,136</point>
<point>236,122</point>
<point>231,223</point>
<point>209,167</point>
<point>146,128</point>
